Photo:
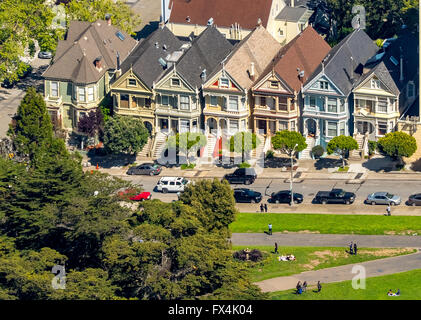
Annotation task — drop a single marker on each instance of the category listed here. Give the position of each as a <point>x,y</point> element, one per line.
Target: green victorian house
<point>80,73</point>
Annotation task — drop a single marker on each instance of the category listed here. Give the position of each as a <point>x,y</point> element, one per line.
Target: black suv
<point>247,195</point>
<point>284,196</point>
<point>242,175</point>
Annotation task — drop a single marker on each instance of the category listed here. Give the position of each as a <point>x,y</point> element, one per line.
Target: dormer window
<point>375,84</point>
<point>175,82</point>
<point>132,82</point>
<point>274,84</point>
<point>324,85</point>
<point>224,83</point>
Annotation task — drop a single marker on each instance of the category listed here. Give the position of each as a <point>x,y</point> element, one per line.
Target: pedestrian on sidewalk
<point>319,287</point>
<point>262,208</point>
<point>276,247</point>
<point>270,229</point>
<point>355,248</point>
<point>388,210</point>
<point>351,248</point>
<point>266,207</point>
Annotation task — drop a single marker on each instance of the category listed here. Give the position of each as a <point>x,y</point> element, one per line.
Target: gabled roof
<point>383,74</point>
<point>343,64</point>
<point>294,14</point>
<point>86,42</point>
<point>260,48</point>
<point>144,59</point>
<point>205,53</point>
<point>304,52</point>
<point>224,12</point>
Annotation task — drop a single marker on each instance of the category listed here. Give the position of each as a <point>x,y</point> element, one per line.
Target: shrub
<point>269,154</point>
<point>188,166</point>
<point>254,255</point>
<point>317,151</point>
<point>244,165</point>
<point>372,147</point>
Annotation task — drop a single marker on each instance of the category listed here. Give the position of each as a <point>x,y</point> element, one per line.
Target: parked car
<point>142,196</point>
<point>414,200</point>
<point>172,184</point>
<point>242,175</point>
<point>45,55</point>
<point>383,198</point>
<point>335,196</point>
<point>146,168</point>
<point>284,196</point>
<point>247,195</point>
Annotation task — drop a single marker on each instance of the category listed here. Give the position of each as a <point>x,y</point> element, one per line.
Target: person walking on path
<point>351,248</point>
<point>270,228</point>
<point>319,287</point>
<point>266,207</point>
<point>298,287</point>
<point>261,208</point>
<point>305,286</point>
<point>355,248</point>
<point>276,247</point>
<point>388,210</point>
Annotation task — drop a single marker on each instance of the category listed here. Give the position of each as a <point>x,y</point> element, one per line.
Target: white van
<point>172,184</point>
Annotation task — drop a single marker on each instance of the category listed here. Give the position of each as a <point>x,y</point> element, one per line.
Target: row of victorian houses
<point>219,85</point>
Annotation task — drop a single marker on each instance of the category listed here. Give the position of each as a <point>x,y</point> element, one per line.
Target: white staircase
<point>306,153</point>
<point>160,142</point>
<point>145,153</point>
<point>260,148</point>
<point>356,154</point>
<point>207,156</point>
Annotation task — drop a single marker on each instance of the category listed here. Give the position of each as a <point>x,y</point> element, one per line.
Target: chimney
<point>252,71</point>
<point>203,75</point>
<point>292,3</point>
<point>401,66</point>
<point>118,71</point>
<point>259,22</point>
<point>108,19</point>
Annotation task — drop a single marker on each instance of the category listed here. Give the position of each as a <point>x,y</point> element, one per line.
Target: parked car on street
<point>242,175</point>
<point>284,196</point>
<point>383,198</point>
<point>414,200</point>
<point>146,168</point>
<point>142,196</point>
<point>45,55</point>
<point>172,184</point>
<point>247,195</point>
<point>335,196</point>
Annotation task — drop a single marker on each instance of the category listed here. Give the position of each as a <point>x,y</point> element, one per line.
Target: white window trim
<point>188,102</point>
<point>162,100</point>
<point>229,105</point>
<point>51,89</point>
<point>210,102</point>
<point>131,85</point>
<point>327,128</point>
<point>175,85</point>
<point>78,94</point>
<point>220,83</point>
<point>93,93</point>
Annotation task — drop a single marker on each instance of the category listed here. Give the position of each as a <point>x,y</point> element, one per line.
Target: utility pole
<point>290,181</point>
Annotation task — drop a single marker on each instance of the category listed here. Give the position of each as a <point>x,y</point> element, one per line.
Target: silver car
<point>383,198</point>
<point>45,55</point>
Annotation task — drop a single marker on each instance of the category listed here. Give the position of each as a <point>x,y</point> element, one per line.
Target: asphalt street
<point>309,188</point>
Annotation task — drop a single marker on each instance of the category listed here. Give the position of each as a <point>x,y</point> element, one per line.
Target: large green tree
<point>187,142</point>
<point>341,145</point>
<point>32,124</point>
<point>87,10</point>
<point>398,144</point>
<point>123,134</point>
<point>289,142</point>
<point>243,142</point>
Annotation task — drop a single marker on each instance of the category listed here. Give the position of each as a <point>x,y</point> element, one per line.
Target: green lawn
<point>310,258</point>
<point>409,284</point>
<point>327,223</point>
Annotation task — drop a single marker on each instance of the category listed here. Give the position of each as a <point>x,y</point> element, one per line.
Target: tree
<point>124,134</point>
<point>398,144</point>
<point>410,13</point>
<point>342,145</point>
<point>32,124</point>
<point>91,124</point>
<point>187,142</point>
<point>243,142</point>
<point>286,141</point>
<point>121,14</point>
<point>22,22</point>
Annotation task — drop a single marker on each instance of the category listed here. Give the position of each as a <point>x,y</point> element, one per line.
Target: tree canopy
<point>398,144</point>
<point>286,141</point>
<point>342,145</point>
<point>188,142</point>
<point>123,134</point>
<point>243,142</point>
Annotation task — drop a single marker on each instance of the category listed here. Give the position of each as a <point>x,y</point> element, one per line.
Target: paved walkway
<point>325,240</point>
<point>373,268</point>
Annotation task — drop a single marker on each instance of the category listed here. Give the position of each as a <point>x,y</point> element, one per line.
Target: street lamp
<point>290,181</point>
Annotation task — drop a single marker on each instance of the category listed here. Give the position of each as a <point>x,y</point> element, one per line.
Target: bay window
<point>332,105</point>
<point>332,129</point>
<point>184,103</point>
<point>54,89</point>
<point>233,103</point>
<point>81,92</point>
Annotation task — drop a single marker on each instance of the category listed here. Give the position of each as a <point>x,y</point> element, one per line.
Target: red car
<point>142,196</point>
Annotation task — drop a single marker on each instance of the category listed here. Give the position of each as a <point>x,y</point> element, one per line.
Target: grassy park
<point>409,284</point>
<point>310,258</point>
<point>327,223</point>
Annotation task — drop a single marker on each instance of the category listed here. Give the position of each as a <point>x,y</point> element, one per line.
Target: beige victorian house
<point>226,93</point>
